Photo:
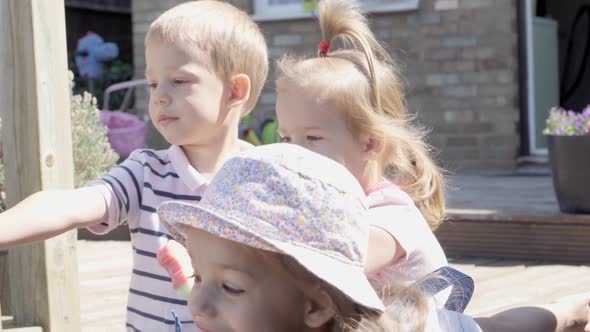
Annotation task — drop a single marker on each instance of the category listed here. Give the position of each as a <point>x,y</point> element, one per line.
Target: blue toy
<point>91,54</point>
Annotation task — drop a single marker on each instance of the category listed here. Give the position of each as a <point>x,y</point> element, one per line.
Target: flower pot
<point>570,165</point>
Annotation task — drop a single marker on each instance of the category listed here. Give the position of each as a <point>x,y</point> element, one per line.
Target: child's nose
<point>163,100</point>
<point>202,303</point>
<point>160,97</point>
<point>301,141</point>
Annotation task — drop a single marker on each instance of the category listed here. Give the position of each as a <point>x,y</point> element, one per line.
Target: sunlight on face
<point>319,127</point>
<point>186,97</point>
<point>238,289</point>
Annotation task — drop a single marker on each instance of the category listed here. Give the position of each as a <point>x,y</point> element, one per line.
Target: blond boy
<point>206,63</point>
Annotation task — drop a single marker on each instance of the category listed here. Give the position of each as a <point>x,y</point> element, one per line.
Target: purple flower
<point>567,122</point>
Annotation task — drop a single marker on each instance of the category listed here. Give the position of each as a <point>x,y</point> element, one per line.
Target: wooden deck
<point>499,283</point>
<point>506,193</point>
<point>105,271</point>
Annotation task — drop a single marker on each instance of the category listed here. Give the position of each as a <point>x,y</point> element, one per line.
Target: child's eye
<point>152,85</point>
<point>285,139</point>
<point>313,138</point>
<point>232,290</point>
<point>196,277</point>
<point>179,81</point>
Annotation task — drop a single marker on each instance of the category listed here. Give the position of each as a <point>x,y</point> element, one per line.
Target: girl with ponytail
<point>348,104</point>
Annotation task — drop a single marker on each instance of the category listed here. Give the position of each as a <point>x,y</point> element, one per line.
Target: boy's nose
<point>163,100</point>
<point>160,98</point>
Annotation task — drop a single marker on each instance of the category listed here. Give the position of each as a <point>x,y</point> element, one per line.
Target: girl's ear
<point>240,90</point>
<point>319,308</point>
<point>373,146</point>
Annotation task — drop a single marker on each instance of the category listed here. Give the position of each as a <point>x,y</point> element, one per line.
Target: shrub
<point>92,152</point>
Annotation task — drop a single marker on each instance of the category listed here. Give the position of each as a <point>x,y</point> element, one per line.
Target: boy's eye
<point>285,139</point>
<point>152,85</point>
<point>313,138</point>
<point>232,290</point>
<point>179,81</point>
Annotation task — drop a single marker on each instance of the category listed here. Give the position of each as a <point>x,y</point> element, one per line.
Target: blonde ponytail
<point>342,18</point>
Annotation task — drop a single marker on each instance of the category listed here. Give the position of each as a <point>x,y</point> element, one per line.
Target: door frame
<point>529,126</point>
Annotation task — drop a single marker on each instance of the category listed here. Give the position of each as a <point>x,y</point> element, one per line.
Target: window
<point>271,10</point>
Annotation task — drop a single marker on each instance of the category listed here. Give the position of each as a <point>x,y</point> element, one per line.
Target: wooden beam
<point>38,155</point>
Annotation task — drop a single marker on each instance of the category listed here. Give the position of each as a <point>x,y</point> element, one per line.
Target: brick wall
<point>459,59</point>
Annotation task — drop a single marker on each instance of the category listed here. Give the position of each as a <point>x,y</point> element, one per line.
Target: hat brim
<point>348,278</point>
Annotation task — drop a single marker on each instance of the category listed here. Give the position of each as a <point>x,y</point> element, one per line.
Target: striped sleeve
<point>121,189</point>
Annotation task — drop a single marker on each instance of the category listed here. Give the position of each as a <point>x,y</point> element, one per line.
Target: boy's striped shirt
<point>133,191</point>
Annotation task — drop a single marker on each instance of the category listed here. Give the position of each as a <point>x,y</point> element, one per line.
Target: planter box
<point>560,238</point>
<point>570,165</point>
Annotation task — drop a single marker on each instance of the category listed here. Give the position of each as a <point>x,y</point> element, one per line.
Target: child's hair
<point>232,41</point>
<point>407,310</point>
<point>364,82</point>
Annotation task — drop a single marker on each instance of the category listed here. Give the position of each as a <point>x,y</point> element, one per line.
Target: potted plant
<point>568,138</point>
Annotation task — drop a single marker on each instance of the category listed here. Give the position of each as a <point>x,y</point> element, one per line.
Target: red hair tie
<point>324,48</point>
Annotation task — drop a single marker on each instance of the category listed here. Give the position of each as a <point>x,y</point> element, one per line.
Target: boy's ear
<point>319,309</point>
<point>240,90</point>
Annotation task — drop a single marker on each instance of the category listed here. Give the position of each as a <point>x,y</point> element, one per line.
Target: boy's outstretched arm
<point>49,213</point>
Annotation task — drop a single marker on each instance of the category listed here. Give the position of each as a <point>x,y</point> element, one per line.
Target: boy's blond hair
<point>364,82</point>
<point>227,35</point>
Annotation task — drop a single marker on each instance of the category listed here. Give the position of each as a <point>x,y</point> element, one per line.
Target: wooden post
<point>37,150</point>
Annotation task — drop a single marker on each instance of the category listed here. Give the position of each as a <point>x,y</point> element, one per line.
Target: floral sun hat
<point>286,199</point>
